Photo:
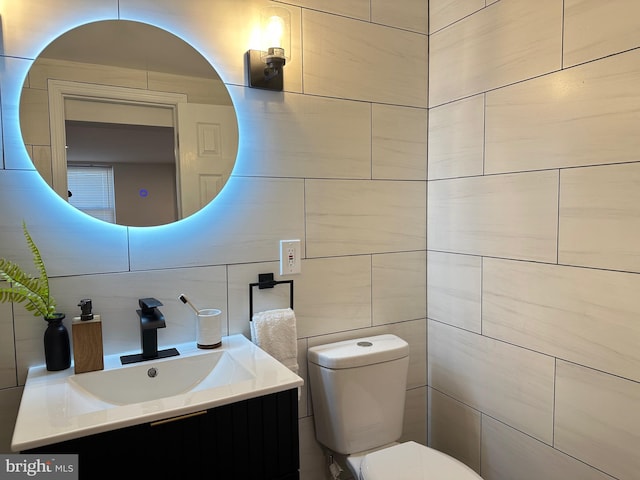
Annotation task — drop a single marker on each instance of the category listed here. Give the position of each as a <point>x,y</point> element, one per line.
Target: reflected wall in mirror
<point>128,123</point>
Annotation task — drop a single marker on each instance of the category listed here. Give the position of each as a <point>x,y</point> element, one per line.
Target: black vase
<point>57,350</point>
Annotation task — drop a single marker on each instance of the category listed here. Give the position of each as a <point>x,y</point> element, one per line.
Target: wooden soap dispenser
<point>87,340</point>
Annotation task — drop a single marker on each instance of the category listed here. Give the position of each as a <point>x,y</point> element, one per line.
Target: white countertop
<point>52,410</point>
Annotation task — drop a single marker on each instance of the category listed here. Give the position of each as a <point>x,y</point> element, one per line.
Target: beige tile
<point>304,401</point>
<point>454,284</point>
<point>509,454</point>
<point>454,428</point>
<point>530,38</point>
<point>399,288</point>
<point>9,403</point>
<point>14,71</point>
<point>333,295</point>
<point>236,26</point>
<point>345,217</point>
<point>410,14</point>
<point>415,416</point>
<point>70,245</point>
<point>342,60</point>
<point>597,419</point>
<point>321,137</point>
<point>445,12</point>
<point>509,383</point>
<point>313,465</point>
<point>600,217</point>
<point>512,216</point>
<point>349,8</point>
<point>45,69</point>
<point>34,106</point>
<point>7,348</point>
<point>456,139</point>
<point>399,142</point>
<point>594,29</point>
<point>26,35</point>
<point>41,157</point>
<point>415,334</point>
<point>244,224</point>
<point>582,315</point>
<point>581,116</point>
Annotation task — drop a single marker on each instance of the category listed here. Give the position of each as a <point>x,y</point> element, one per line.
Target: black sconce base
<point>259,76</point>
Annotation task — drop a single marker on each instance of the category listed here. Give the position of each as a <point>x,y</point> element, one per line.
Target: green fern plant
<point>24,288</point>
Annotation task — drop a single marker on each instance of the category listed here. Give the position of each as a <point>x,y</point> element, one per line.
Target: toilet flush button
<point>364,344</point>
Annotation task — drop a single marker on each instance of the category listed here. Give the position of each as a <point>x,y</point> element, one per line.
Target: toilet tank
<point>358,391</point>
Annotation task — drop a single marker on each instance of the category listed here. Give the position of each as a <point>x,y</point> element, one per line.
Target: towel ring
<point>265,280</point>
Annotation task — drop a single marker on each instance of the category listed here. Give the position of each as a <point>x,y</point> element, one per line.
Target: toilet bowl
<point>412,461</point>
<point>358,392</point>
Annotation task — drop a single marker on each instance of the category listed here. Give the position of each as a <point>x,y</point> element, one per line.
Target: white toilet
<point>358,391</point>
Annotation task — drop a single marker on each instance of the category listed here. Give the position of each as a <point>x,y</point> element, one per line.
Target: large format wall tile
<point>596,29</point>
<point>454,428</point>
<point>341,59</point>
<point>244,224</point>
<point>399,288</point>
<point>398,143</point>
<point>348,8</point>
<point>600,217</point>
<point>410,14</point>
<point>510,454</point>
<point>454,288</point>
<point>9,403</point>
<point>7,347</point>
<point>222,31</point>
<point>415,416</point>
<point>332,295</point>
<point>323,137</point>
<point>597,419</point>
<point>351,217</point>
<point>582,315</point>
<point>73,244</point>
<point>580,116</point>
<point>513,216</point>
<point>445,12</point>
<point>511,41</point>
<point>509,383</point>
<point>456,139</point>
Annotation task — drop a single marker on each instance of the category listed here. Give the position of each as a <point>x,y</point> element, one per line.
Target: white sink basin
<point>58,406</point>
<point>163,378</point>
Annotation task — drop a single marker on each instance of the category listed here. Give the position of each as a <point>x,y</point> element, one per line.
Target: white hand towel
<point>274,331</point>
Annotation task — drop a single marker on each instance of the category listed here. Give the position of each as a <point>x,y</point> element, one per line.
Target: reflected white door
<point>207,143</point>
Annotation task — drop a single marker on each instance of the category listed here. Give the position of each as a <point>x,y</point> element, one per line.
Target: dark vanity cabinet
<point>250,439</point>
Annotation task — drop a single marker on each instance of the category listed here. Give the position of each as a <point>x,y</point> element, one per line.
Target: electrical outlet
<point>290,260</point>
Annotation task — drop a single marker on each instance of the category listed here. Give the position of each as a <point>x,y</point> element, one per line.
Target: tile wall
<point>533,237</point>
<point>337,160</point>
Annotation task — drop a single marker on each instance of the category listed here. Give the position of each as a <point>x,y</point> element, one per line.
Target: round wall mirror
<point>128,123</point>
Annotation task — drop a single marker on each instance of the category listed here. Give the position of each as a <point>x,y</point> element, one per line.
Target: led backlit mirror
<point>128,123</point>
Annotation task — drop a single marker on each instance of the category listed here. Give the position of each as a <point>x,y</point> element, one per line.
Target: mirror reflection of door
<point>208,138</point>
<point>134,144</point>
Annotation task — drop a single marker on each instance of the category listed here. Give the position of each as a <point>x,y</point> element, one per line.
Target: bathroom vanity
<point>225,413</point>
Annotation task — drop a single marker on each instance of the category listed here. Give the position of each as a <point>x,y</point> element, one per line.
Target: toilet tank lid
<point>359,352</point>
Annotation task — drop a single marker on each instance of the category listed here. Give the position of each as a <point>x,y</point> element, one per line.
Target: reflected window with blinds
<point>91,189</point>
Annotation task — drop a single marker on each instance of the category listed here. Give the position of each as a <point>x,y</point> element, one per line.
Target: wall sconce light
<point>265,66</point>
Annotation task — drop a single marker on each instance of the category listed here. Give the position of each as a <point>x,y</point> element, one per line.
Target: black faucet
<point>151,319</point>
